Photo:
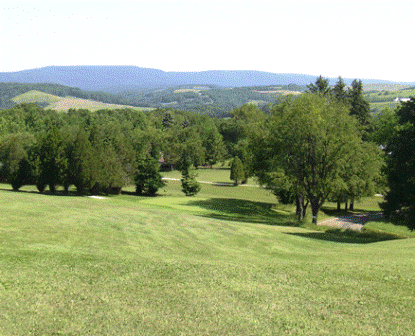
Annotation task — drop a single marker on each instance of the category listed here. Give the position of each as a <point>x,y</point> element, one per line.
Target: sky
<point>352,39</point>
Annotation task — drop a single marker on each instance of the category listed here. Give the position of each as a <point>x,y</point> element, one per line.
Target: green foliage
<point>82,163</point>
<point>14,156</point>
<point>359,106</point>
<point>53,160</point>
<point>237,170</point>
<point>187,145</point>
<point>339,90</point>
<point>400,199</point>
<point>312,140</point>
<point>190,186</point>
<point>168,120</point>
<point>147,178</point>
<point>321,86</point>
<point>384,126</point>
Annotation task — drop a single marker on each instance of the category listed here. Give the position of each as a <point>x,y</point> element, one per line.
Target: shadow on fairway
<point>46,192</point>
<point>244,211</point>
<point>347,236</point>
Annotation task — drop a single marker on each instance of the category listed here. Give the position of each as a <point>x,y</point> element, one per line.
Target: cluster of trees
<point>313,147</point>
<point>102,152</point>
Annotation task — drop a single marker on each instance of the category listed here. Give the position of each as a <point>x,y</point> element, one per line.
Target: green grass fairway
<point>126,265</point>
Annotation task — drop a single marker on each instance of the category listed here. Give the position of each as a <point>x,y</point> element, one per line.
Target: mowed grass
<point>128,265</point>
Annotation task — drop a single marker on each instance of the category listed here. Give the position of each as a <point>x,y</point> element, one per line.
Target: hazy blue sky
<point>362,39</point>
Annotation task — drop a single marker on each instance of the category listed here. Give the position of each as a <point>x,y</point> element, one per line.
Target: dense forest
<point>321,145</point>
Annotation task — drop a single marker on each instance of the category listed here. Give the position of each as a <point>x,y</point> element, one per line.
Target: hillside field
<point>49,101</point>
<point>225,262</point>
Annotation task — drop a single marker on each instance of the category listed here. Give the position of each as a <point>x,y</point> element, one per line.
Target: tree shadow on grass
<point>244,211</point>
<point>47,192</point>
<point>347,236</point>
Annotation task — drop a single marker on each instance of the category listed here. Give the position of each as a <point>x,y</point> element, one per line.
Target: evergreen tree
<point>16,167</point>
<point>339,90</point>
<point>83,163</point>
<point>360,108</point>
<point>214,146</point>
<point>237,170</point>
<point>53,160</point>
<point>168,120</point>
<point>321,86</point>
<point>190,186</point>
<point>147,178</point>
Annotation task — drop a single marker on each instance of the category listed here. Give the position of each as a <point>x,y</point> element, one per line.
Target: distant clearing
<point>283,92</point>
<point>188,90</point>
<point>35,96</point>
<point>57,103</point>
<point>77,103</point>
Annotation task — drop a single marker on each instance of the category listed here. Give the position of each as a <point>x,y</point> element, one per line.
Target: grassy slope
<point>63,104</point>
<point>126,266</point>
<point>77,103</point>
<point>35,96</point>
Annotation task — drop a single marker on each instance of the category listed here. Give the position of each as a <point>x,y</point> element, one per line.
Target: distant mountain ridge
<point>119,78</point>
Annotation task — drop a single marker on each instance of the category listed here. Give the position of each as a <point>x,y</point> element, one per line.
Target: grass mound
<point>35,96</point>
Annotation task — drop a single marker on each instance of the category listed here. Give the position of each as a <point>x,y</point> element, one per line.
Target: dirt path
<point>354,222</point>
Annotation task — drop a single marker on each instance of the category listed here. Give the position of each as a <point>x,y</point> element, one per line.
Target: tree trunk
<point>299,202</point>
<point>338,206</point>
<point>351,204</point>
<point>345,206</point>
<point>315,207</point>
<point>301,207</point>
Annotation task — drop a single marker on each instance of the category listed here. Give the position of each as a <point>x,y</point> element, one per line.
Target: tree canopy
<point>399,203</point>
<point>311,141</point>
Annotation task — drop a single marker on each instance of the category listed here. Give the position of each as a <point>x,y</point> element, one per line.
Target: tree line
<point>102,152</point>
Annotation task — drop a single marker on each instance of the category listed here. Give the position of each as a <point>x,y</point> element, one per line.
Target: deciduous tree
<point>312,139</point>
